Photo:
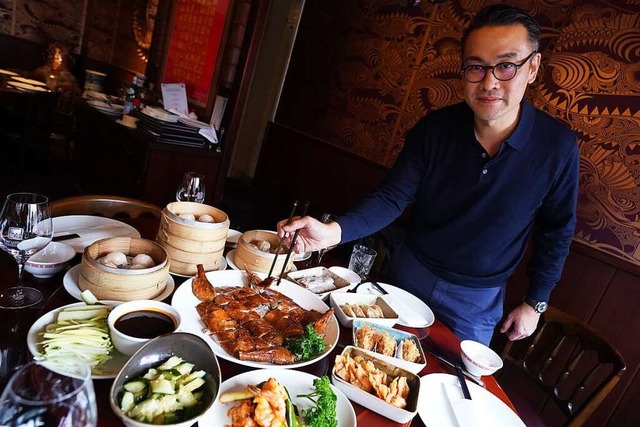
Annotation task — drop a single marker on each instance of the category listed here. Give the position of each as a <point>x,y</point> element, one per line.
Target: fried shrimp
<point>271,405</point>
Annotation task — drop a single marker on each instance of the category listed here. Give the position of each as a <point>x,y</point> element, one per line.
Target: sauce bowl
<point>134,323</point>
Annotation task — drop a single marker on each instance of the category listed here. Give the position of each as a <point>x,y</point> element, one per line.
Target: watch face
<point>541,307</point>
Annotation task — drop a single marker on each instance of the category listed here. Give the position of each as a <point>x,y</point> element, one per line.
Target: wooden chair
<point>570,362</point>
<point>107,206</point>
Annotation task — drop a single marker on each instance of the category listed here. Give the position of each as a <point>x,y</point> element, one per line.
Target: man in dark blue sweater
<point>486,175</point>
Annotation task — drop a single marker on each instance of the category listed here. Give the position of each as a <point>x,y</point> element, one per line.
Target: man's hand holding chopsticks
<point>313,234</point>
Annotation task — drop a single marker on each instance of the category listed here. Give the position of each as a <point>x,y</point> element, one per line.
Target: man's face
<point>496,102</point>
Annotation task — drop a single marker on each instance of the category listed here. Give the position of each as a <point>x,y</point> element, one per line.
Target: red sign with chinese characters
<point>194,46</point>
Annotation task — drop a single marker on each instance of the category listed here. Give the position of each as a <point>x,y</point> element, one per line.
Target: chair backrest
<point>103,205</point>
<point>570,361</point>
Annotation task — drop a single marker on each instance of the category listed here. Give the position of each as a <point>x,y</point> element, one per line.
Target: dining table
<point>16,323</point>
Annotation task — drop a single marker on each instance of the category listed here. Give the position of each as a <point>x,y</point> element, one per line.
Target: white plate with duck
<point>185,302</point>
<point>296,382</point>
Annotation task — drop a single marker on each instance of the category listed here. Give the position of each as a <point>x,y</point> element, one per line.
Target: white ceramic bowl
<point>51,260</point>
<point>128,344</point>
<point>479,359</point>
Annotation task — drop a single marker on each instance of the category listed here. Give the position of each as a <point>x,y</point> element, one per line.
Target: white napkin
<point>406,314</point>
<point>466,413</point>
<point>210,134</point>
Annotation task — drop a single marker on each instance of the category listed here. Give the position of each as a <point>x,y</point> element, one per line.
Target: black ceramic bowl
<point>191,348</point>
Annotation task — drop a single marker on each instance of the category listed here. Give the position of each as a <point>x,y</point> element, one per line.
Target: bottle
<point>129,96</point>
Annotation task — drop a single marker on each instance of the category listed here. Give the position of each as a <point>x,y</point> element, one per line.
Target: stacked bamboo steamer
<point>248,257</point>
<point>117,284</point>
<point>190,242</point>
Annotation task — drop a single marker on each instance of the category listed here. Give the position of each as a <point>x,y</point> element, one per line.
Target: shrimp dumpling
<point>144,260</point>
<point>116,258</point>
<point>206,218</point>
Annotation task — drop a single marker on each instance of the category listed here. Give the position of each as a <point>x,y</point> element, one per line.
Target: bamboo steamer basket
<point>252,259</point>
<point>188,242</point>
<point>121,284</point>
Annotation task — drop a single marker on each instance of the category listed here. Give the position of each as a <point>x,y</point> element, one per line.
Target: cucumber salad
<point>167,394</point>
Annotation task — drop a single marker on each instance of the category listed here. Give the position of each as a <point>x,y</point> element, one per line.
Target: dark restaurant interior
<point>318,96</point>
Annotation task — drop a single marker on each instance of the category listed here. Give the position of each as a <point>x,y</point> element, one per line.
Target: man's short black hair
<point>502,14</point>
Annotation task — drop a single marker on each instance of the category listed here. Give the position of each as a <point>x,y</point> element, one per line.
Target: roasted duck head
<point>201,287</point>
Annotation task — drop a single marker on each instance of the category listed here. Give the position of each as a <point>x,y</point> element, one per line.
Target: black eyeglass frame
<point>486,68</point>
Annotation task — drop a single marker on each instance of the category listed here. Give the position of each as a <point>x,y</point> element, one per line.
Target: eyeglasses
<point>503,71</point>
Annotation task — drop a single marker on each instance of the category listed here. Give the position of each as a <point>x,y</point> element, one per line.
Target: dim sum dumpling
<point>206,218</point>
<point>117,258</point>
<point>144,260</point>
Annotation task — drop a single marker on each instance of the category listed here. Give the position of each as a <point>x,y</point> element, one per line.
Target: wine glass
<point>191,189</point>
<point>325,218</point>
<point>41,394</point>
<point>25,228</point>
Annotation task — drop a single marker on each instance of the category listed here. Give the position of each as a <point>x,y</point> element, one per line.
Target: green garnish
<point>308,345</point>
<point>323,413</point>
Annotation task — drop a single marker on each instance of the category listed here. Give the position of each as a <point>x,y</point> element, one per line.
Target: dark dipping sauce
<point>145,324</point>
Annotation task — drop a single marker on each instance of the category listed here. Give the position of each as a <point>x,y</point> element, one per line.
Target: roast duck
<point>252,322</point>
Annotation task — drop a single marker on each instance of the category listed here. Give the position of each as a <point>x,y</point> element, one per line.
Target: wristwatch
<point>538,306</point>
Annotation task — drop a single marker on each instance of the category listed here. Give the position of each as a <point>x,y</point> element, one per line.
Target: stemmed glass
<point>191,188</point>
<point>39,394</point>
<point>325,218</point>
<point>25,228</point>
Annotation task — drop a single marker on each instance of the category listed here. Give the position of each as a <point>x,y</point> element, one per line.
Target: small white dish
<point>348,275</point>
<point>479,359</point>
<point>373,402</point>
<point>232,237</point>
<point>340,285</point>
<point>50,260</point>
<point>128,344</point>
<point>339,299</point>
<point>70,283</point>
<point>407,299</point>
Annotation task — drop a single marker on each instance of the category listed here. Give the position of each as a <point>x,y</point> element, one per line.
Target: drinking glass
<point>39,394</point>
<point>361,261</point>
<point>325,218</point>
<point>191,189</point>
<point>25,229</point>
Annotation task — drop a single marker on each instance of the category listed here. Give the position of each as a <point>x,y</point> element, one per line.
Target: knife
<point>447,362</point>
<point>62,237</point>
<point>406,314</point>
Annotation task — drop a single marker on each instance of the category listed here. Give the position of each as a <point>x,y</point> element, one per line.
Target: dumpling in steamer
<point>187,216</point>
<point>206,218</point>
<point>144,260</point>
<point>117,258</point>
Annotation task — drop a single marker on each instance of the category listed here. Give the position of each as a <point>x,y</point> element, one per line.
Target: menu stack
<point>163,127</point>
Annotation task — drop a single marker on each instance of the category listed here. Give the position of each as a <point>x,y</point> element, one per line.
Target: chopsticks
<point>275,258</point>
<point>293,242</point>
<point>463,383</point>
